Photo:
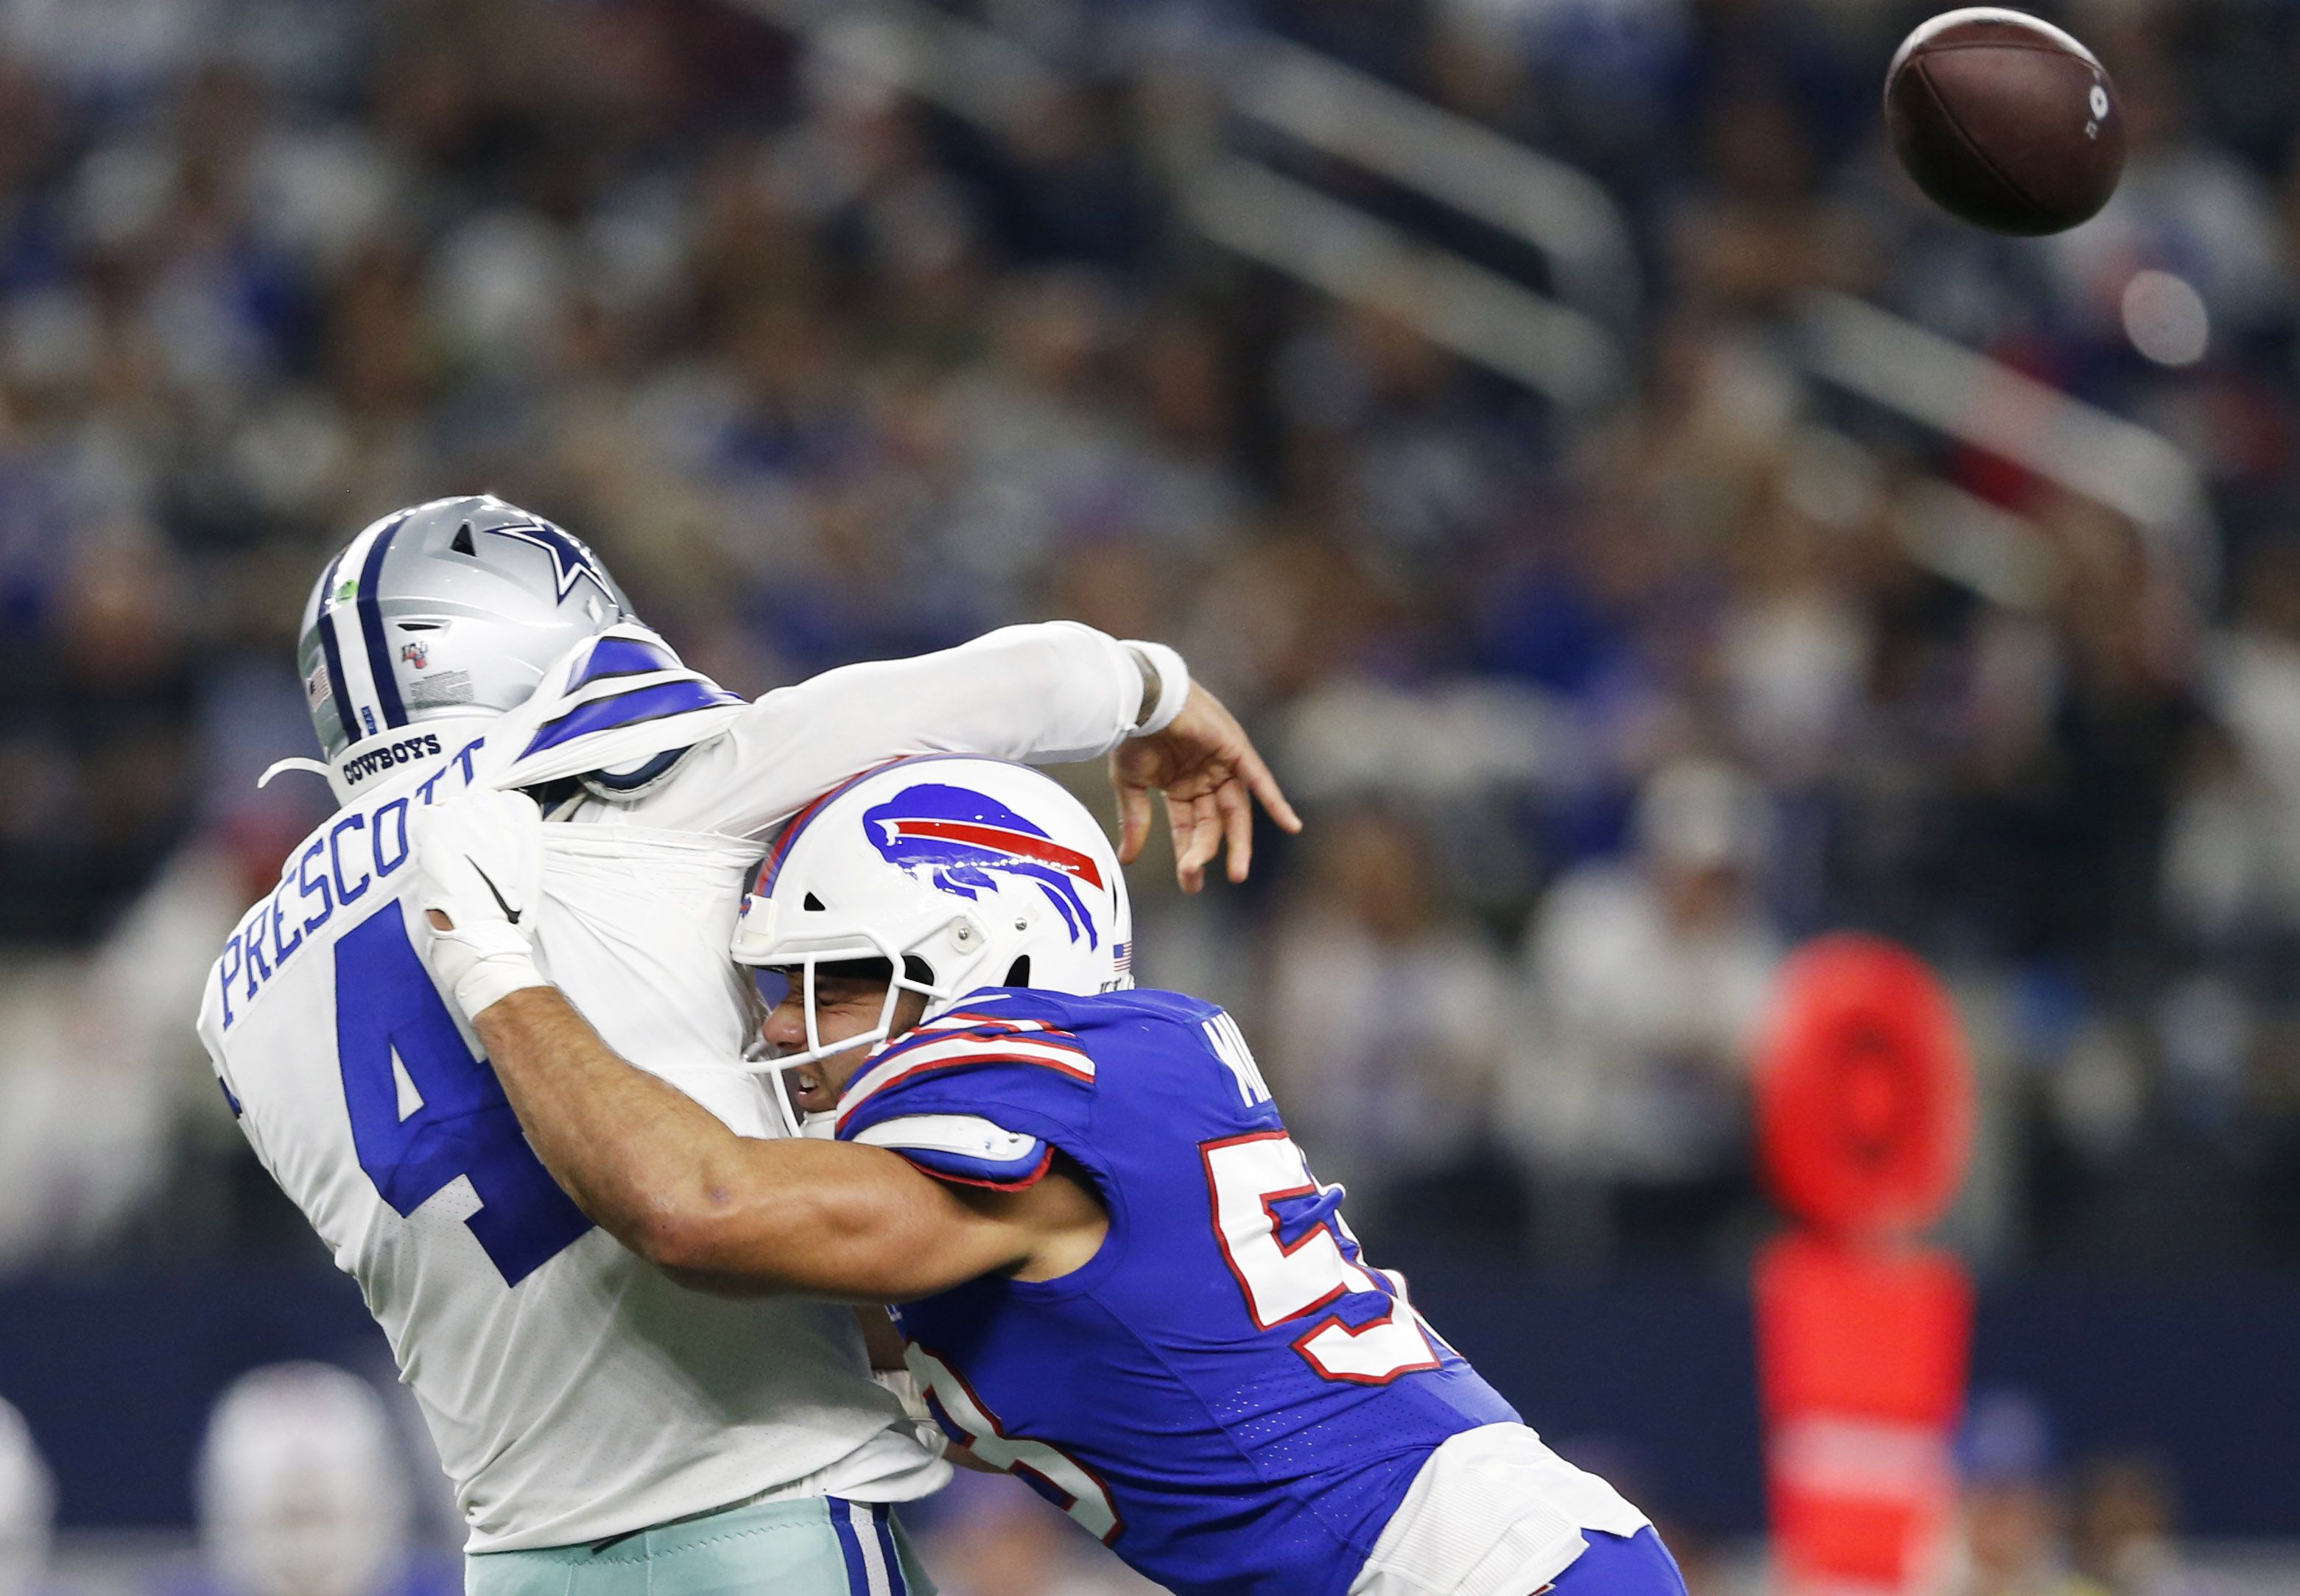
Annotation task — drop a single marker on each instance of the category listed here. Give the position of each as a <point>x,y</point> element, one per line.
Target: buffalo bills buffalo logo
<point>960,841</point>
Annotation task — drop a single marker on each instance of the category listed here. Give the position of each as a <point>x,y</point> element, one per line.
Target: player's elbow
<point>681,1237</point>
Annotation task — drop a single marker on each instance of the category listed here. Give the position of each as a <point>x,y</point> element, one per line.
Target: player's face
<point>844,1007</point>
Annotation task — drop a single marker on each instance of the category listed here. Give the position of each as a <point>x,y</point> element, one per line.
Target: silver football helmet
<point>446,611</point>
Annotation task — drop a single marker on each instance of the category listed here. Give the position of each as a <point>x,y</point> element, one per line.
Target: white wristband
<point>1173,685</point>
<point>482,964</point>
<point>491,980</point>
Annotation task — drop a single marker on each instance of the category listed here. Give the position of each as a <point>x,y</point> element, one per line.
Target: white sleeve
<point>1046,694</point>
<point>210,1026</point>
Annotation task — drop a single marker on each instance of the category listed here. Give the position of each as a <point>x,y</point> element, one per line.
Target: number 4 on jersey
<point>1248,1176</point>
<point>390,1021</point>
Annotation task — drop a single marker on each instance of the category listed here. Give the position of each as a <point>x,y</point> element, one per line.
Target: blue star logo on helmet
<point>960,841</point>
<point>570,562</point>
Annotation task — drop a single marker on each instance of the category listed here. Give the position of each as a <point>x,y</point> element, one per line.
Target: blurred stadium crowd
<point>1593,718</point>
<point>1596,718</point>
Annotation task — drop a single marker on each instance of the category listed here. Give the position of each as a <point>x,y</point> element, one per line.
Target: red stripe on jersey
<point>981,1027</point>
<point>926,1061</point>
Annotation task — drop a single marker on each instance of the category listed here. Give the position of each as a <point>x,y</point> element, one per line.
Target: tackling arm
<point>723,1212</point>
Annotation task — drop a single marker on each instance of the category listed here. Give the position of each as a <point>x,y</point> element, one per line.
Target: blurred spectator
<point>1627,1091</point>
<point>2232,869</point>
<point>80,1180</point>
<point>2012,1506</point>
<point>2122,1531</point>
<point>27,1505</point>
<point>1384,1010</point>
<point>1757,231</point>
<point>302,1491</point>
<point>2186,206</point>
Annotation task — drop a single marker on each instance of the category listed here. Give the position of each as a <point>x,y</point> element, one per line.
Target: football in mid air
<point>2004,120</point>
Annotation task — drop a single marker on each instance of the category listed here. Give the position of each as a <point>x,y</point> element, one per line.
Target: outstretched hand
<point>1210,775</point>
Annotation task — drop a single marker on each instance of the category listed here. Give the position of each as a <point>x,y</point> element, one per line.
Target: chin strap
<point>296,762</point>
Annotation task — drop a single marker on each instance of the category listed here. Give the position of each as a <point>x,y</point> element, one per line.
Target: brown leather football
<point>2004,120</point>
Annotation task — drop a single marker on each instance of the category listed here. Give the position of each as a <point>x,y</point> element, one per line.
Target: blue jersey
<point>1227,1394</point>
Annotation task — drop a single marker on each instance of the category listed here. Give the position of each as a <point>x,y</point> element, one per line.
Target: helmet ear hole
<point>811,902</point>
<point>1018,974</point>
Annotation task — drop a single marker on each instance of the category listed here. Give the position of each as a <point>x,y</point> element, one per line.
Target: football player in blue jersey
<point>1116,1275</point>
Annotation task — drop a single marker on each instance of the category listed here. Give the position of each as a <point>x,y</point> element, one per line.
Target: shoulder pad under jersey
<point>974,1096</point>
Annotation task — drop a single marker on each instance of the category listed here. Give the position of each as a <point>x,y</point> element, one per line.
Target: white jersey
<point>575,1393</point>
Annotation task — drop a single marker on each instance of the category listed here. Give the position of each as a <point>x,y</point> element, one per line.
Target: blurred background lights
<point>2165,319</point>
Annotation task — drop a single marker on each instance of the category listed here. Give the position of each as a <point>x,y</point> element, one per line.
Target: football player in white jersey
<point>604,1430</point>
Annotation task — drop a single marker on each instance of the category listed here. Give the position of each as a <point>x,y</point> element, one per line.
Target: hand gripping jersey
<point>1227,1394</point>
<point>574,1394</point>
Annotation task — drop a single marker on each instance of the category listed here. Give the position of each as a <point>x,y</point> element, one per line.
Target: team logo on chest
<point>960,841</point>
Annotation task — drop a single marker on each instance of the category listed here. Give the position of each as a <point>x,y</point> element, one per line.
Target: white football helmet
<point>302,1488</point>
<point>960,872</point>
<point>446,611</point>
<point>28,1502</point>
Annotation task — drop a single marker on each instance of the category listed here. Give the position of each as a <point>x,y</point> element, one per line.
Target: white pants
<point>1493,1513</point>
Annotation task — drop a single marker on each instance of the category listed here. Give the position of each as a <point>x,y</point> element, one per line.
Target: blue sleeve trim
<point>624,656</point>
<point>630,709</point>
<point>632,780</point>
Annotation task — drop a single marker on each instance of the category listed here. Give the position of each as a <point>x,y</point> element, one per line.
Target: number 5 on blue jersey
<point>459,1125</point>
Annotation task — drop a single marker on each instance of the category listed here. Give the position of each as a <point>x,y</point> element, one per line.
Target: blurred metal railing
<point>1573,348</point>
<point>1482,317</point>
<point>961,67</point>
<point>1563,352</point>
<point>1985,403</point>
<point>1559,210</point>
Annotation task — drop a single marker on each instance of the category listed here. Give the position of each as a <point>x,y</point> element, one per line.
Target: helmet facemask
<point>906,955</point>
<point>980,871</point>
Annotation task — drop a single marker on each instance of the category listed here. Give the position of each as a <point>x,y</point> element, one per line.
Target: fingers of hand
<point>1133,819</point>
<point>1206,838</point>
<point>1265,788</point>
<point>1178,830</point>
<point>1237,811</point>
<point>1189,859</point>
